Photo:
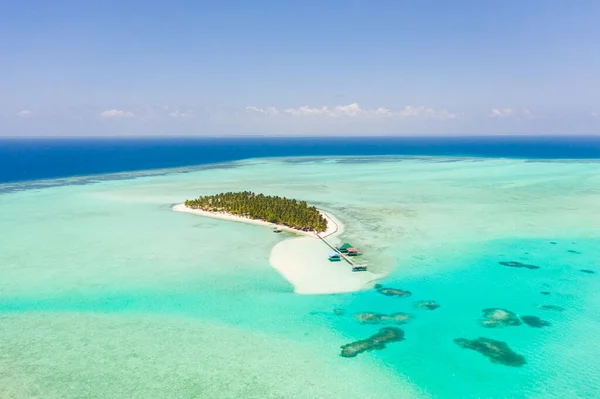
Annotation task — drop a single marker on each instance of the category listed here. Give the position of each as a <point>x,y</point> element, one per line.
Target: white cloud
<point>25,113</point>
<point>305,110</point>
<point>426,113</point>
<point>510,113</point>
<point>354,110</point>
<point>383,111</point>
<point>179,114</point>
<point>116,113</point>
<point>265,111</point>
<point>348,110</point>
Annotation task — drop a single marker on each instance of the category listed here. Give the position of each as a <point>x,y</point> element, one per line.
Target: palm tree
<point>274,209</point>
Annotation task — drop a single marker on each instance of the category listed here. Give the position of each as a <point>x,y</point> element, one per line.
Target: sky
<point>327,67</point>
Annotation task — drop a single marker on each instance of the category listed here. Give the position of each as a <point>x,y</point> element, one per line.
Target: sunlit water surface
<point>107,293</point>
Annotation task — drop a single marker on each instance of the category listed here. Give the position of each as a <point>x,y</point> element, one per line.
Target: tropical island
<point>302,260</point>
<point>272,209</point>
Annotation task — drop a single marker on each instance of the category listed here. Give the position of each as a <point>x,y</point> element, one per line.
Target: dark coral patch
<point>393,292</point>
<point>545,292</point>
<point>552,307</point>
<point>380,318</point>
<point>431,305</point>
<point>572,251</point>
<point>496,351</point>
<point>496,317</point>
<point>588,271</point>
<point>377,341</point>
<point>519,265</point>
<point>534,321</point>
<point>377,286</point>
<point>553,242</point>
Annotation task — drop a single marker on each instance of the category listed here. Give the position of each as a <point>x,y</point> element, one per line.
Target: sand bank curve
<point>303,261</point>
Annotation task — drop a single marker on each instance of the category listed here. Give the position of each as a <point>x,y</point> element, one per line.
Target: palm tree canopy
<point>274,209</point>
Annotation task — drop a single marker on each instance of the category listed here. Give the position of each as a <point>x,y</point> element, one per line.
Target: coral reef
<point>379,318</point>
<point>377,341</point>
<point>393,291</point>
<point>552,307</point>
<point>431,305</point>
<point>519,265</point>
<point>496,351</point>
<point>496,317</point>
<point>534,321</point>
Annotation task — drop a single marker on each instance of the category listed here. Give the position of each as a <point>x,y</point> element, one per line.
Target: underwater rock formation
<point>377,286</point>
<point>572,251</point>
<point>379,318</point>
<point>431,305</point>
<point>519,265</point>
<point>534,321</point>
<point>587,271</point>
<point>495,317</point>
<point>553,242</point>
<point>393,292</point>
<point>552,307</point>
<point>496,351</point>
<point>377,341</point>
<point>545,292</point>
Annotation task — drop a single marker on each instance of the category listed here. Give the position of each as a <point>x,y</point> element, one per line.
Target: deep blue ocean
<point>32,159</point>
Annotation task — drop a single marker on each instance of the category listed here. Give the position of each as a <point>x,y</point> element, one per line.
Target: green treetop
<point>279,210</point>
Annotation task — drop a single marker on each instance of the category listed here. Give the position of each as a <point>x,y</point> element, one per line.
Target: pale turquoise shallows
<point>107,293</point>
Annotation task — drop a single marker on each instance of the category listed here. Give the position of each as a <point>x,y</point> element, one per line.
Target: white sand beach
<point>303,261</point>
<point>333,225</point>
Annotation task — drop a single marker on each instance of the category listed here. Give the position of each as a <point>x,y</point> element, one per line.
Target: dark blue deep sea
<point>32,159</point>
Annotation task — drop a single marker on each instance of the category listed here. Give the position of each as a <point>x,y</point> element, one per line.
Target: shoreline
<point>334,226</point>
<point>303,260</point>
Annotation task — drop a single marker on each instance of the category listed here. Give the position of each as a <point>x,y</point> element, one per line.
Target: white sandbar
<point>303,261</point>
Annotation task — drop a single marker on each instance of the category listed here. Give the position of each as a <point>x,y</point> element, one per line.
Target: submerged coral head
<point>376,341</point>
<point>534,321</point>
<point>496,351</point>
<point>394,292</point>
<point>431,305</point>
<point>496,317</point>
<point>519,265</point>
<point>379,318</point>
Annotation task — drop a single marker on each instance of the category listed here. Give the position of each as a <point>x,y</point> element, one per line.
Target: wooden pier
<point>355,267</point>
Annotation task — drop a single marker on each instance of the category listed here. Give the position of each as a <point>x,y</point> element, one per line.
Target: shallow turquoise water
<point>105,292</point>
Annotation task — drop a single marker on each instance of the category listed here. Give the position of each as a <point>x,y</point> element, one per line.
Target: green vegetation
<point>279,210</point>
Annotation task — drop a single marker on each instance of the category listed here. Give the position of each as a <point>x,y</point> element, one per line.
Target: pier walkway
<point>355,267</point>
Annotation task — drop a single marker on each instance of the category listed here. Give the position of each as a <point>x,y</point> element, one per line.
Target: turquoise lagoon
<point>107,293</point>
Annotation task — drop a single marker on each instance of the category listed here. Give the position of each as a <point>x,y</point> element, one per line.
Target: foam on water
<point>105,275</point>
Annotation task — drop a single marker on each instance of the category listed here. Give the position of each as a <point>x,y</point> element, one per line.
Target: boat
<point>276,230</point>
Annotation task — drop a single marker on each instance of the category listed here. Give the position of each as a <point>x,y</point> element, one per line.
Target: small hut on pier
<point>344,248</point>
<point>334,256</point>
<point>353,252</point>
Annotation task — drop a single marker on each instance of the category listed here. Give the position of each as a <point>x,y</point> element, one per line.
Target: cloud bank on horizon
<point>352,68</point>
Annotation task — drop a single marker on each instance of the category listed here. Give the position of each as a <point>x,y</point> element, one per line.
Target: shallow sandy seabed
<point>89,356</point>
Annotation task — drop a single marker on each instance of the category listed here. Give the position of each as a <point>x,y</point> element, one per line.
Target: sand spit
<point>303,260</point>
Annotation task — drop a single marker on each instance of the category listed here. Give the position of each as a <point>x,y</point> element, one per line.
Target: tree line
<point>274,209</point>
